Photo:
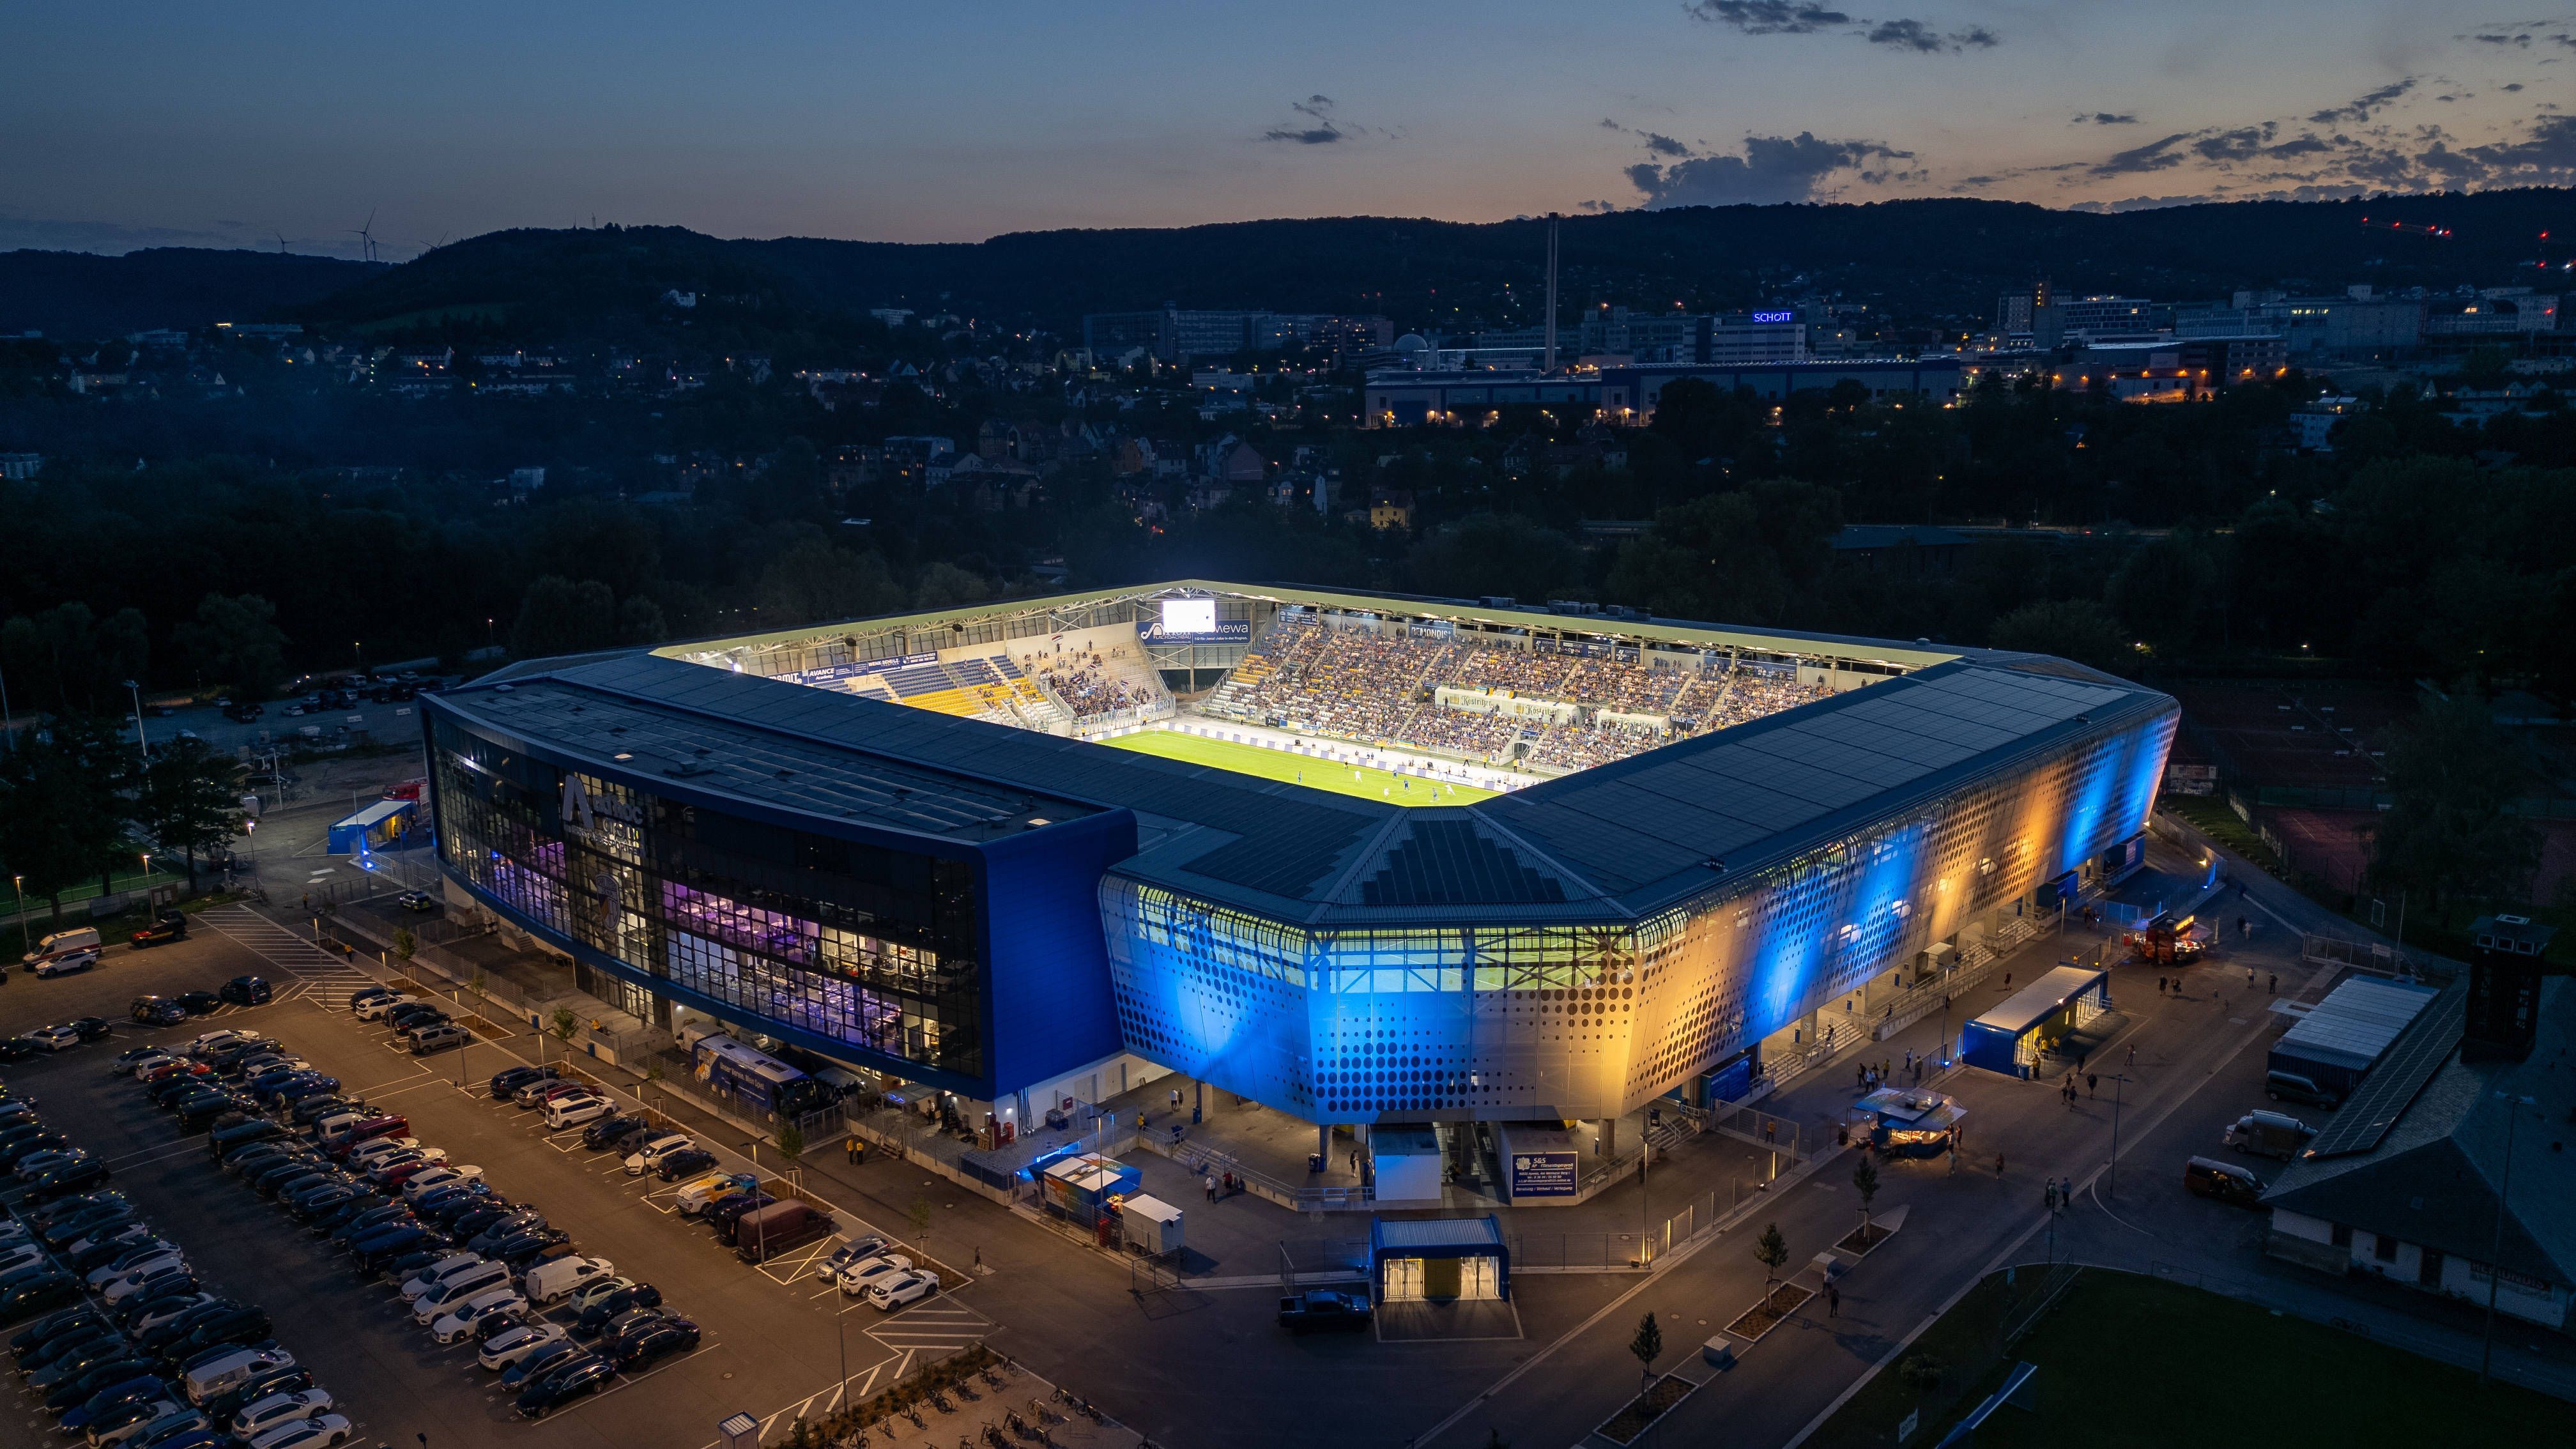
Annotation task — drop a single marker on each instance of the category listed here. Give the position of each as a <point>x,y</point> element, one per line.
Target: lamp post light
<point>2495,1251</point>
<point>18,883</point>
<point>142,746</point>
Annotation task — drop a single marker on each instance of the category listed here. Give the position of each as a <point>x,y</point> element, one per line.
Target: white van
<point>481,1278</point>
<point>547,1282</point>
<point>216,1375</point>
<point>61,944</point>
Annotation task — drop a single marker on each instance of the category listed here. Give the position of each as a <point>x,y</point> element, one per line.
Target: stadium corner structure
<point>911,845</point>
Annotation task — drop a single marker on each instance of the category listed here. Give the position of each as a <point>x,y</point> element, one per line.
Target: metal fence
<point>1767,1130</point>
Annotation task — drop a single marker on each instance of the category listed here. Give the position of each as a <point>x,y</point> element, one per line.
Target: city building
<point>893,843</point>
<point>1174,334</point>
<point>1402,398</point>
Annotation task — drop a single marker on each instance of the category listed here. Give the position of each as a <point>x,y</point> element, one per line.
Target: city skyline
<point>293,127</point>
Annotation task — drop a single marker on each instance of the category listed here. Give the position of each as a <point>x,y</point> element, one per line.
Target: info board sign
<point>1542,1174</point>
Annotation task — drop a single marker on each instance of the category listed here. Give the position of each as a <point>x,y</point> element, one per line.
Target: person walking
<point>2160,986</point>
<point>1999,1167</point>
<point>2272,983</point>
<point>1211,1188</point>
<point>2048,1195</point>
<point>2249,978</point>
<point>1833,1301</point>
<point>2133,1054</point>
<point>2092,1084</point>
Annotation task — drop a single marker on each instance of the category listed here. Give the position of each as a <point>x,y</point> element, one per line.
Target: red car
<point>167,1070</point>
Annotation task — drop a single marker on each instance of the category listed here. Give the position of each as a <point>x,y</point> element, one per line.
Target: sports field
<point>1298,769</point>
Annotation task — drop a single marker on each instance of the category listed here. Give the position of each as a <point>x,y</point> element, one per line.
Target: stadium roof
<point>1612,843</point>
<point>1508,616</point>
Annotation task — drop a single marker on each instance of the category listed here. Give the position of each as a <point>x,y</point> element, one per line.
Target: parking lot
<point>771,1336</point>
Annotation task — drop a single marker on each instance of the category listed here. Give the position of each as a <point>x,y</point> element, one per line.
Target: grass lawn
<point>1298,769</point>
<point>2140,1363</point>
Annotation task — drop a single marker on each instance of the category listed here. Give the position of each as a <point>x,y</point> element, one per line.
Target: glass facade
<point>855,945</point>
<point>1589,1021</point>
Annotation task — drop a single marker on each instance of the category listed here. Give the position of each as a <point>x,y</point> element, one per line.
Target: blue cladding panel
<point>1051,1008</point>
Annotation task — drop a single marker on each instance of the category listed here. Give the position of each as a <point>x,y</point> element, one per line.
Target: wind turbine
<point>366,235</point>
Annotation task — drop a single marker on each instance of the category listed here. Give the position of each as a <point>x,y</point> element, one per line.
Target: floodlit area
<point>1341,769</point>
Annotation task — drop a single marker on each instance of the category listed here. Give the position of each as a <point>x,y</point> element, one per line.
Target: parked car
<point>513,1345</point>
<point>641,1160</point>
<point>892,1293</point>
<point>156,1011</point>
<point>510,1079</point>
<point>459,1322</point>
<point>693,1196</point>
<point>276,1409</point>
<point>2269,1134</point>
<point>583,1375</point>
<point>56,1038</point>
<point>440,1037</point>
<point>318,1432</point>
<point>416,901</point>
<point>2224,1181</point>
<point>549,1282</point>
<point>657,1340</point>
<point>170,925</point>
<point>68,964</point>
<point>575,1109</point>
<point>610,1132</point>
<point>199,1002</point>
<point>855,1279</point>
<point>685,1163</point>
<point>245,990</point>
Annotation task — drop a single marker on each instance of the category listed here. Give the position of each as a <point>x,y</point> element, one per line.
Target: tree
<point>1770,1250</point>
<point>1865,1182</point>
<point>919,1213</point>
<point>2449,830</point>
<point>235,640</point>
<point>61,821</point>
<point>2077,629</point>
<point>2159,591</point>
<point>1648,1345</point>
<point>1921,1372</point>
<point>405,943</point>
<point>68,660</point>
<point>1486,553</point>
<point>189,800</point>
<point>812,581</point>
<point>563,1025</point>
<point>639,621</point>
<point>791,1142</point>
<point>945,586</point>
<point>558,616</point>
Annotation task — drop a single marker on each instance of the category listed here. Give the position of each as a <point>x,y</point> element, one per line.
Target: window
<point>2342,1235</point>
<point>2385,1250</point>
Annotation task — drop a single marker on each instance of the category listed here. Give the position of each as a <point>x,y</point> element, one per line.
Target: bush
<point>1921,1372</point>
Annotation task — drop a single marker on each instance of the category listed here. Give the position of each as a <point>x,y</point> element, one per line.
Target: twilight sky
<point>148,124</point>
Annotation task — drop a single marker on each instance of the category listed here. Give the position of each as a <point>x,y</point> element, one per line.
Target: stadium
<point>1363,860</point>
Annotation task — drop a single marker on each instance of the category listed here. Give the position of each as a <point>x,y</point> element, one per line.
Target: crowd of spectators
<point>1090,683</point>
<point>1380,688</point>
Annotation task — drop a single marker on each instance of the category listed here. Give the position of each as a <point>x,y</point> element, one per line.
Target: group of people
<point>1381,687</point>
<point>1088,682</point>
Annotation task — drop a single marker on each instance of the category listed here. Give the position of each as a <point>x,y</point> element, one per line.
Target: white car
<point>374,1153</point>
<point>576,1108</point>
<point>66,965</point>
<point>319,1432</point>
<point>513,1344</point>
<point>257,1419</point>
<point>142,1261</point>
<point>56,1038</point>
<point>867,1273</point>
<point>692,1197</point>
<point>460,1322</point>
<point>436,1274</point>
<point>144,1065</point>
<point>161,1282</point>
<point>893,1293</point>
<point>420,1184</point>
<point>17,1255</point>
<point>641,1160</point>
<point>377,1008</point>
<point>108,1278</point>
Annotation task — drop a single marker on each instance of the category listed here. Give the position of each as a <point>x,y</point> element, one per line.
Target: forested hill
<point>76,295</point>
<point>1917,257</point>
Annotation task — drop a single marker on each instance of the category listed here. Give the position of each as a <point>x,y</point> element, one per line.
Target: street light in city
<point>2495,1252</point>
<point>18,883</point>
<point>142,746</point>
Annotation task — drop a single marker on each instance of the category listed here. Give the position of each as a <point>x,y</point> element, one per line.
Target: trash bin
<point>1314,1162</point>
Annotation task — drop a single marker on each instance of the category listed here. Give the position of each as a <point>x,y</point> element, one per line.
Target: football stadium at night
<point>1362,860</point>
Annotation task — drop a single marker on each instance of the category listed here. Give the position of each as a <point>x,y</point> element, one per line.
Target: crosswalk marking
<point>324,977</point>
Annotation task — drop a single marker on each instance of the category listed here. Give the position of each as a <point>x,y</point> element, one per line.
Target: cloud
<point>1767,17</point>
<point>1772,169</point>
<point>1656,142</point>
<point>2153,156</point>
<point>2361,108</point>
<point>1318,129</point>
<point>1802,17</point>
<point>2105,118</point>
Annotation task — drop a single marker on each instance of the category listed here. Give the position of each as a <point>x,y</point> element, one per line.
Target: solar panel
<point>2394,1084</point>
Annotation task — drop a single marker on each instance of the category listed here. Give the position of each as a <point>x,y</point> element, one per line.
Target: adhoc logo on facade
<point>1542,1174</point>
<point>1775,316</point>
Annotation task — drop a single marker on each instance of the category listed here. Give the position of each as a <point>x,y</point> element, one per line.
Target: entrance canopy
<point>2014,1032</point>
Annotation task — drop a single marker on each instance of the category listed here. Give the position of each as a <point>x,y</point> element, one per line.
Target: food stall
<point>1907,1121</point>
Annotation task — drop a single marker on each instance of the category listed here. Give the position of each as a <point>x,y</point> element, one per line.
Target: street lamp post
<point>2495,1251</point>
<point>142,746</point>
<point>18,883</point>
<point>2111,1174</point>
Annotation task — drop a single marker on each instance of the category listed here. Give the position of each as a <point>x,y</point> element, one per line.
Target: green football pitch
<point>1339,778</point>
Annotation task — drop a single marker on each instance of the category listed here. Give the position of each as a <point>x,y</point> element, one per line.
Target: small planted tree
<point>1770,1250</point>
<point>920,1215</point>
<point>405,943</point>
<point>1921,1372</point>
<point>1865,1182</point>
<point>1648,1345</point>
<point>791,1143</point>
